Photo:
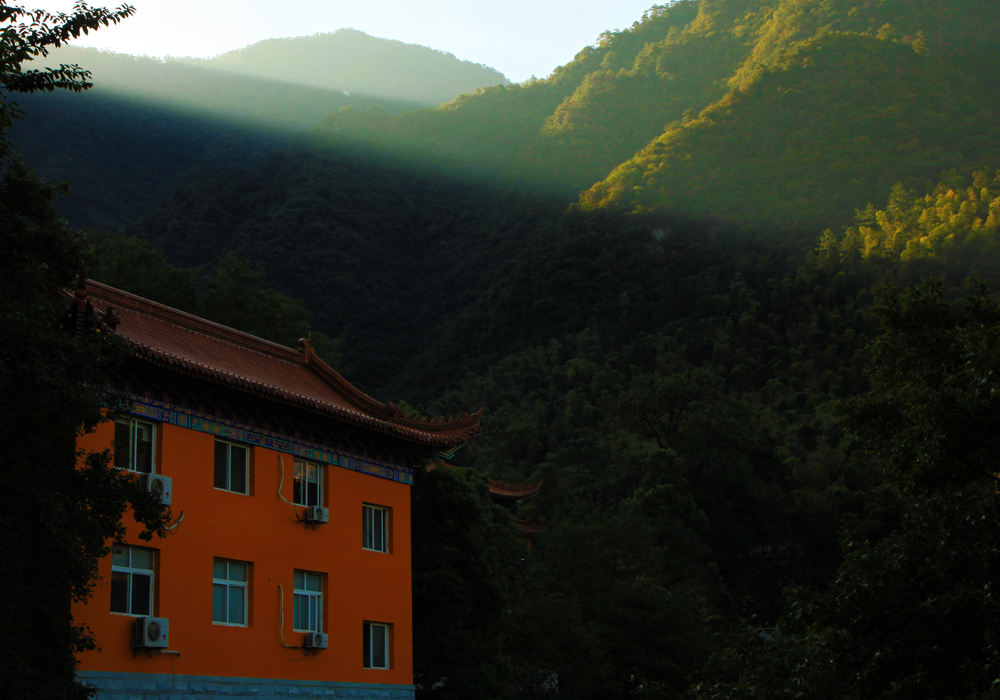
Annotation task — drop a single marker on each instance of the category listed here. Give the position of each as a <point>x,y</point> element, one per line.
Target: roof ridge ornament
<point>306,348</point>
<point>111,318</point>
<point>392,411</point>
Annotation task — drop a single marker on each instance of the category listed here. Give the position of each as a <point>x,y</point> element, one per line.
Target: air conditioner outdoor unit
<point>316,640</point>
<point>151,633</point>
<point>159,485</point>
<point>317,514</point>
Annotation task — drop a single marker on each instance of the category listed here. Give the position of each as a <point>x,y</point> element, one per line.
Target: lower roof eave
<point>272,393</point>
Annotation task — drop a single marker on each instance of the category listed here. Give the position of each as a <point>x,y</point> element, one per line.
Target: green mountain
<point>155,124</point>
<point>351,60</point>
<point>789,112</point>
<point>832,106</point>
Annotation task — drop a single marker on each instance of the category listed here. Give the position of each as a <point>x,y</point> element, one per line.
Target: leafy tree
<point>462,545</point>
<point>59,508</point>
<point>27,35</point>
<point>913,615</point>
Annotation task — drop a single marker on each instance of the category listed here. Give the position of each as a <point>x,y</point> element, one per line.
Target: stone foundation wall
<point>165,686</point>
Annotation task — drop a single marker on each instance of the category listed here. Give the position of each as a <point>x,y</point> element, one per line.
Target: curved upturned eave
<point>354,407</point>
<point>444,438</point>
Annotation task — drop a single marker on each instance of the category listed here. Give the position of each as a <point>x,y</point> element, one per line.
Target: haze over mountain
<point>780,112</point>
<point>154,124</point>
<point>353,61</point>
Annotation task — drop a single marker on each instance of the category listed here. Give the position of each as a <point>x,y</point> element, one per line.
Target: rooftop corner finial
<point>81,310</point>
<point>306,348</point>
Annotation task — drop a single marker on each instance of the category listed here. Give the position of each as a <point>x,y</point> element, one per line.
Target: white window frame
<point>370,540</point>
<point>304,595</point>
<point>130,461</point>
<point>229,584</point>
<point>229,466</point>
<point>303,499</point>
<point>132,572</point>
<point>368,651</point>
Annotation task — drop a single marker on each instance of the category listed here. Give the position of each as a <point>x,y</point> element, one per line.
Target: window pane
<point>237,598</point>
<point>141,594</point>
<point>119,556</point>
<point>299,581</point>
<point>238,469</point>
<point>219,570</point>
<point>219,603</point>
<point>367,643</point>
<point>378,646</point>
<point>366,528</point>
<point>300,614</point>
<point>123,456</point>
<point>143,447</point>
<point>314,582</point>
<point>312,497</point>
<point>298,487</point>
<point>221,465</point>
<point>314,613</point>
<point>142,558</point>
<point>378,537</point>
<point>119,592</point>
<point>237,572</point>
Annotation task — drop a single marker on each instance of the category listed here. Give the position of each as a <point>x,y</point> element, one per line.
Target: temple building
<point>286,568</point>
<point>511,496</point>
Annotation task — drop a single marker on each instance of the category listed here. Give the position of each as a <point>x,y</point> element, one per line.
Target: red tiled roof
<point>194,345</point>
<point>527,527</point>
<point>498,489</point>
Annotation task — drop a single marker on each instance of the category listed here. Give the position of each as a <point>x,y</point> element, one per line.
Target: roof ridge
<point>193,323</point>
<point>338,397</point>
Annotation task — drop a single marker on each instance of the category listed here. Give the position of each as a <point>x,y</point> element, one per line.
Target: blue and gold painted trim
<point>164,412</point>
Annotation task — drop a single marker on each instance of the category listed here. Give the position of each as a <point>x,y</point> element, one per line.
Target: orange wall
<point>261,529</point>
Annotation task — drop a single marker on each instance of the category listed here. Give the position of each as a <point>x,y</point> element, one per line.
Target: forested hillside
<point>155,124</point>
<point>669,270</point>
<point>791,113</point>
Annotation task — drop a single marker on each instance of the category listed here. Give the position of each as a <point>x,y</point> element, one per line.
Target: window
<point>132,580</point>
<point>373,528</point>
<point>307,610</point>
<point>231,467</point>
<point>376,643</point>
<point>134,445</point>
<point>229,592</point>
<point>307,489</point>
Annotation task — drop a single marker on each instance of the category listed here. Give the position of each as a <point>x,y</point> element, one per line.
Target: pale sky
<point>520,38</point>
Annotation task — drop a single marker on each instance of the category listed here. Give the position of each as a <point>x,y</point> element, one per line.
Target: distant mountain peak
<point>352,61</point>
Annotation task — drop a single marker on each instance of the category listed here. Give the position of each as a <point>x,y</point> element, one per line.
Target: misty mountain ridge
<point>155,124</point>
<point>349,59</point>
